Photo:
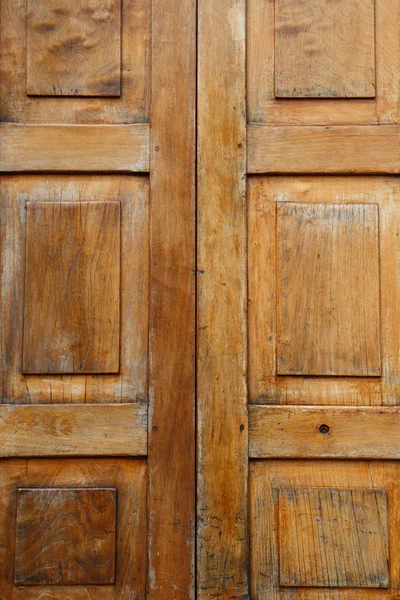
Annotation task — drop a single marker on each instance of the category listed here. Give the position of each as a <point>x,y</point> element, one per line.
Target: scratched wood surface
<point>265,385</point>
<point>74,48</point>
<point>126,476</point>
<point>130,384</point>
<point>352,498</point>
<point>318,34</point>
<point>65,536</point>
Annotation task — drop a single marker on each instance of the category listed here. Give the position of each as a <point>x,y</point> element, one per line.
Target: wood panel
<point>132,106</point>
<point>222,556</point>
<point>75,148</point>
<point>79,430</point>
<point>333,538</point>
<point>266,386</point>
<point>324,432</point>
<point>361,484</point>
<point>171,462</point>
<point>72,288</point>
<point>328,149</point>
<point>65,536</point>
<point>126,476</point>
<point>130,385</point>
<point>328,289</point>
<point>265,108</point>
<point>74,49</point>
<point>324,49</point>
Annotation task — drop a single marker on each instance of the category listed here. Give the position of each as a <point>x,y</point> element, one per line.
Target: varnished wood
<point>300,432</point>
<point>72,287</point>
<point>221,326</point>
<point>171,461</point>
<point>126,476</point>
<point>349,526</point>
<point>327,289</point>
<point>325,49</point>
<point>65,536</point>
<point>352,150</point>
<point>131,384</point>
<point>78,430</point>
<point>74,148</point>
<point>74,49</point>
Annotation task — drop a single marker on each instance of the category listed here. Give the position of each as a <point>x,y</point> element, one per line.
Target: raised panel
<point>72,288</point>
<point>325,48</point>
<point>74,48</point>
<point>65,536</point>
<point>328,289</point>
<point>333,538</point>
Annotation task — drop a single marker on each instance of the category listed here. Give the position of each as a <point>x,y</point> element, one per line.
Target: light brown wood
<point>131,384</point>
<point>347,527</point>
<point>73,48</point>
<point>131,107</point>
<point>126,476</point>
<point>265,108</point>
<point>78,430</point>
<point>222,557</point>
<point>345,481</point>
<point>353,150</point>
<point>265,385</point>
<point>327,289</point>
<point>171,462</point>
<point>81,148</point>
<point>65,536</point>
<point>325,49</point>
<point>324,432</point>
<point>72,287</point>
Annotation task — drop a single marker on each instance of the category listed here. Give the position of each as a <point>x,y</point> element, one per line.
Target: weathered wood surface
<point>222,557</point>
<point>65,536</point>
<point>72,287</point>
<point>131,384</point>
<point>79,148</point>
<point>324,432</point>
<point>171,462</point>
<point>74,48</point>
<point>126,476</point>
<point>297,150</point>
<point>77,430</point>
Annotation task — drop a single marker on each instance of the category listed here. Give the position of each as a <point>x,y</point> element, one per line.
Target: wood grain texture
<point>222,461</point>
<point>265,108</point>
<point>328,289</point>
<point>75,148</point>
<point>353,150</point>
<point>171,461</point>
<point>72,288</point>
<point>65,536</point>
<point>324,49</point>
<point>132,106</point>
<point>333,538</point>
<point>353,432</point>
<point>131,384</point>
<point>74,48</point>
<point>126,476</point>
<point>269,478</point>
<point>264,194</point>
<point>79,430</point>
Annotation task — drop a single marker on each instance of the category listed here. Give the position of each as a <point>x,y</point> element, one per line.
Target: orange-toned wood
<point>221,351</point>
<point>74,49</point>
<point>71,518</point>
<point>65,536</point>
<point>171,505</point>
<point>72,287</point>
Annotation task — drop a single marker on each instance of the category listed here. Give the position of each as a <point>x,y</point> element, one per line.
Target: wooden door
<point>298,299</point>
<point>97,247</point>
